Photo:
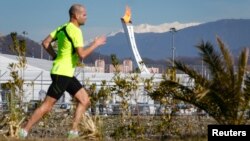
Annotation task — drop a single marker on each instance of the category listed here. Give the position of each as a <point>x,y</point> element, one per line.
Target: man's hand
<point>100,40</point>
<point>84,52</point>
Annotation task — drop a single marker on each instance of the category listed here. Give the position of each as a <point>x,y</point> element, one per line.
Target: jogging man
<point>70,49</point>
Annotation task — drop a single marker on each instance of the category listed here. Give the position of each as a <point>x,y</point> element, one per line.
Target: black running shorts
<point>61,83</point>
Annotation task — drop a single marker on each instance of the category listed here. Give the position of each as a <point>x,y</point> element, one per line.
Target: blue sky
<point>39,17</point>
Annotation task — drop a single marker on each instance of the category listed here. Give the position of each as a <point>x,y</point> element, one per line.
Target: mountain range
<point>155,42</point>
<point>235,33</point>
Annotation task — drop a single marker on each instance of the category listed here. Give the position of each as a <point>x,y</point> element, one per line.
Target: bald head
<point>78,14</point>
<point>75,9</point>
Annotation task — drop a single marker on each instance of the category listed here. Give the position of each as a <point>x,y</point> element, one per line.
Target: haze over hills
<point>234,32</point>
<point>155,42</point>
<point>33,49</point>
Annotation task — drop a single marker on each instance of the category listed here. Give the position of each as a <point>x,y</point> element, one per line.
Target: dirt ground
<point>182,128</point>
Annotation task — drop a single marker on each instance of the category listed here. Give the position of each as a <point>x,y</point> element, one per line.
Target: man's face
<point>82,16</point>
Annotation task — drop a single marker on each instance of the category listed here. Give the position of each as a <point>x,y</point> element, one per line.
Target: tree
<point>225,96</point>
<point>15,91</point>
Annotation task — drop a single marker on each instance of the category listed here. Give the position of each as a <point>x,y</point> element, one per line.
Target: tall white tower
<point>129,31</point>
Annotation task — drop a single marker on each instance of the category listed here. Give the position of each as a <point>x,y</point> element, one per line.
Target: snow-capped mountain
<point>144,28</point>
<point>165,27</point>
<point>155,42</point>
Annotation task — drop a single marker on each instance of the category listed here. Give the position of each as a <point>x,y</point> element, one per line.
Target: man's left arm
<point>84,52</point>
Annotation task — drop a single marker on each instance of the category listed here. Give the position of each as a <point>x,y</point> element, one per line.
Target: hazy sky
<point>39,17</point>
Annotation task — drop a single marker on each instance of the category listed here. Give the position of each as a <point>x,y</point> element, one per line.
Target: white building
<point>37,80</point>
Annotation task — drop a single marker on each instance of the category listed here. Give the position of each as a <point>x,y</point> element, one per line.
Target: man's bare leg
<point>46,106</point>
<point>83,104</point>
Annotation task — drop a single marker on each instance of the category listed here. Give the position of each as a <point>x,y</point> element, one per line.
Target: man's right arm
<point>47,46</point>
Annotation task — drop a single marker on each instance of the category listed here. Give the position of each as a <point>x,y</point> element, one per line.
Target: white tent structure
<point>37,76</point>
<point>37,80</point>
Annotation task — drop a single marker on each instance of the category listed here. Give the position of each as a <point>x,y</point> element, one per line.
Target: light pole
<point>25,33</point>
<point>173,30</point>
<point>41,50</point>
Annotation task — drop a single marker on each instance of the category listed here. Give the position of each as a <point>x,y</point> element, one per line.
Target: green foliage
<point>115,62</point>
<point>104,94</point>
<point>101,96</point>
<point>126,88</point>
<point>224,96</point>
<point>148,84</point>
<point>15,86</point>
<point>92,91</point>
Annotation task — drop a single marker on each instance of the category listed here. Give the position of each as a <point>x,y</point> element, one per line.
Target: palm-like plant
<point>225,96</point>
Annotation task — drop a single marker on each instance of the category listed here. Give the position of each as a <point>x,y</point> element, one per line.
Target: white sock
<point>25,133</point>
<point>73,132</point>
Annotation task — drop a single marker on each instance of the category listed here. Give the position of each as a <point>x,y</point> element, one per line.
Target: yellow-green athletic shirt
<point>66,61</point>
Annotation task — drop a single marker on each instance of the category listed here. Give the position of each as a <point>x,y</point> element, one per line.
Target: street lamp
<point>41,50</point>
<point>25,33</point>
<point>173,30</point>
